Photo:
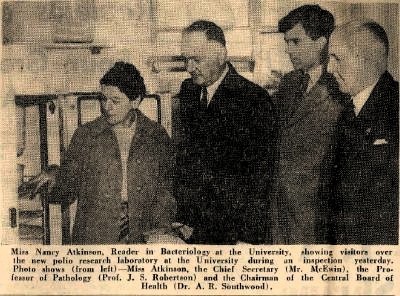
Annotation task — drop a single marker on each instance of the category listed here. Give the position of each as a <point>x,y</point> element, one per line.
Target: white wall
<point>136,30</point>
<point>39,69</point>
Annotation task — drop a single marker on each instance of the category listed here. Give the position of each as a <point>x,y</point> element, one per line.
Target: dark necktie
<point>298,94</point>
<point>349,112</point>
<point>124,223</point>
<point>304,82</point>
<point>203,98</point>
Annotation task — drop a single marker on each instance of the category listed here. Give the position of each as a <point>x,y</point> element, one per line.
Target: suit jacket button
<point>139,188</point>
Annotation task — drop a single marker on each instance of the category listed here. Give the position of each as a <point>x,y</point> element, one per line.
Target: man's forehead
<point>195,43</point>
<point>295,32</point>
<point>111,90</point>
<point>194,39</point>
<point>337,43</point>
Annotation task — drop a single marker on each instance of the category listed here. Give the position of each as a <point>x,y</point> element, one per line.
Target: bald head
<point>367,38</point>
<point>358,54</point>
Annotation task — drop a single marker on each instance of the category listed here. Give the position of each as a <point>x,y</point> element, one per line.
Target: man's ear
<point>136,103</point>
<point>322,41</point>
<point>222,55</point>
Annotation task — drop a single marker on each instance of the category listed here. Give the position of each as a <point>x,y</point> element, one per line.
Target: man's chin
<point>198,80</point>
<point>297,67</point>
<point>342,87</point>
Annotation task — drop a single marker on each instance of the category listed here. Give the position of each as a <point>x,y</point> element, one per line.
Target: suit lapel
<point>374,105</point>
<point>223,92</point>
<point>219,100</point>
<point>195,97</point>
<point>310,101</point>
<point>373,117</point>
<point>141,132</point>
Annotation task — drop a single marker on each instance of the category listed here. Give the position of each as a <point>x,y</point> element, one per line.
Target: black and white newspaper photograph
<point>199,147</point>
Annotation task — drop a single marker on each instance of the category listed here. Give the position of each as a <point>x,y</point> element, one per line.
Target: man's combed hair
<point>211,30</point>
<point>378,32</point>
<point>356,33</point>
<point>317,22</point>
<point>127,78</point>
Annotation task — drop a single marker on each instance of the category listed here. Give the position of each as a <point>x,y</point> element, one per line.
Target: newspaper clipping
<point>200,270</point>
<point>199,147</point>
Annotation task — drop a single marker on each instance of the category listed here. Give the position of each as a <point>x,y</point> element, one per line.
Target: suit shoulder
<point>154,128</point>
<point>186,82</point>
<point>187,88</point>
<point>187,85</point>
<point>394,97</point>
<point>87,132</point>
<point>394,87</point>
<point>292,75</point>
<point>91,127</point>
<point>388,88</point>
<point>249,87</point>
<point>290,82</point>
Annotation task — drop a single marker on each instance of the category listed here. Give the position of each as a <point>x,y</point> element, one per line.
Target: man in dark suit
<point>226,155</point>
<point>366,180</point>
<point>307,102</point>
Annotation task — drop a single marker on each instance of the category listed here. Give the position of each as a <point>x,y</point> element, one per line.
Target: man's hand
<point>184,230</point>
<point>274,80</point>
<point>161,236</point>
<point>46,177</point>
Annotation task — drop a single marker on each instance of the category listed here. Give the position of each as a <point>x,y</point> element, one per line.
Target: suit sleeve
<point>186,210</point>
<point>69,179</point>
<point>261,155</point>
<point>165,210</point>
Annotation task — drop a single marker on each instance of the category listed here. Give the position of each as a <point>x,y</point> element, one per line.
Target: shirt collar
<point>211,89</point>
<point>315,73</point>
<point>361,98</point>
<point>129,122</point>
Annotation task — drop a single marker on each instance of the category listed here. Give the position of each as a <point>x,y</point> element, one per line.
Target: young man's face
<point>304,52</point>
<point>116,104</point>
<point>204,58</point>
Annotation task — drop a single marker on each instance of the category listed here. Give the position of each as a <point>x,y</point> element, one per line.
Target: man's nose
<point>331,66</point>
<point>190,65</point>
<point>288,48</point>
<point>108,105</point>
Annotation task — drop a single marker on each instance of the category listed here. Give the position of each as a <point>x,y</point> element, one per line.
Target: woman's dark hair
<point>127,78</point>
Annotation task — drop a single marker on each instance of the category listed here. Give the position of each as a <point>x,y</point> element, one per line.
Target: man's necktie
<point>304,82</point>
<point>298,94</point>
<point>349,112</point>
<point>124,223</point>
<point>203,98</point>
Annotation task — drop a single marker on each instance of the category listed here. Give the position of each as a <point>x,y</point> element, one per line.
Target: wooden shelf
<point>176,63</point>
<point>30,232</point>
<point>31,218</point>
<point>94,48</point>
<point>30,204</point>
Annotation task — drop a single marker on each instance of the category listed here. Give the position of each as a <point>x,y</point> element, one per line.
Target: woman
<point>118,167</point>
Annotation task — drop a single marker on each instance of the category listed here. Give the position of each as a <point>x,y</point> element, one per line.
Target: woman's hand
<point>46,178</point>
